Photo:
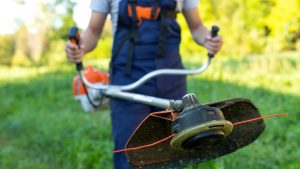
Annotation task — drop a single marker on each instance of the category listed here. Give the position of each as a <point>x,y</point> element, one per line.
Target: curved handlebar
<point>147,77</point>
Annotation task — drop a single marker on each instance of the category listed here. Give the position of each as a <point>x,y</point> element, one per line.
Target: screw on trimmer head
<point>199,127</point>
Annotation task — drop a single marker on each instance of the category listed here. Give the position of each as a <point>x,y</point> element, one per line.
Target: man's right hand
<point>74,52</point>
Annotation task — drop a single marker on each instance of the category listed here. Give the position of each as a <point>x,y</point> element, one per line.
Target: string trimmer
<point>195,132</point>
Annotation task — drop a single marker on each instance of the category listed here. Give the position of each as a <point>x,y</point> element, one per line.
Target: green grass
<point>42,126</point>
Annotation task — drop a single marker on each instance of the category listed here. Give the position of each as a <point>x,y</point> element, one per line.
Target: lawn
<point>43,127</point>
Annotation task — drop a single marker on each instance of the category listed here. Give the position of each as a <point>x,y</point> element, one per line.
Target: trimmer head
<point>202,136</point>
<point>198,126</point>
<point>194,144</point>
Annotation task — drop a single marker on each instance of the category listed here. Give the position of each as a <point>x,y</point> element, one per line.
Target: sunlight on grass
<point>279,73</point>
<point>26,73</point>
<point>7,74</point>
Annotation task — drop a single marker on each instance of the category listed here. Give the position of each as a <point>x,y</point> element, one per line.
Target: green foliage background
<point>248,27</point>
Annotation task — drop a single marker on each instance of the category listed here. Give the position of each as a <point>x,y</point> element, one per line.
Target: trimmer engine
<point>89,98</point>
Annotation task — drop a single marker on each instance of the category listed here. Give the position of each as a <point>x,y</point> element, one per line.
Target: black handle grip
<point>74,37</point>
<point>214,32</point>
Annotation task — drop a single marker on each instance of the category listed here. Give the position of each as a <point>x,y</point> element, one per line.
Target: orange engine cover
<point>93,76</point>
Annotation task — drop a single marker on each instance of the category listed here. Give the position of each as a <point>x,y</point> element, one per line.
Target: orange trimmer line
<point>145,146</point>
<point>259,118</point>
<point>171,136</point>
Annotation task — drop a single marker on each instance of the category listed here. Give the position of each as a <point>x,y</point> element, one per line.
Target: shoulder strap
<point>133,36</point>
<point>155,8</point>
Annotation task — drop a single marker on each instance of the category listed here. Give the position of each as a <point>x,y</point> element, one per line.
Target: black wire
<point>87,94</point>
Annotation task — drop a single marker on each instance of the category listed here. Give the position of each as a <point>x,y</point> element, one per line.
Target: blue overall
<point>127,115</point>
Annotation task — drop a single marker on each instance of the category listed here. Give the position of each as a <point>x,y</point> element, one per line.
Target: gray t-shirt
<point>112,6</point>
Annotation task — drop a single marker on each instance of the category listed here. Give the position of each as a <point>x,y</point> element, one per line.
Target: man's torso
<point>112,7</point>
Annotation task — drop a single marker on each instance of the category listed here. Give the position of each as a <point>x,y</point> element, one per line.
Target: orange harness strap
<point>144,13</point>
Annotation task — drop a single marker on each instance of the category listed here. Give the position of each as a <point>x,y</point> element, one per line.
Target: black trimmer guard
<point>157,126</point>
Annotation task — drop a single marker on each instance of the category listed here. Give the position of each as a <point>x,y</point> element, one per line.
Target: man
<point>146,38</point>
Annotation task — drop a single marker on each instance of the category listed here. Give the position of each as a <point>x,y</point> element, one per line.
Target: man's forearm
<point>91,35</point>
<point>197,28</point>
<point>199,34</point>
<point>89,40</point>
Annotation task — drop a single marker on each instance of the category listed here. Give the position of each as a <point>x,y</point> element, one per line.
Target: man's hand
<point>200,33</point>
<point>203,37</point>
<point>213,45</point>
<point>88,38</point>
<point>74,52</point>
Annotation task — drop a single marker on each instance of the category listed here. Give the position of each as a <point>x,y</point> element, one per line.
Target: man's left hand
<point>213,45</point>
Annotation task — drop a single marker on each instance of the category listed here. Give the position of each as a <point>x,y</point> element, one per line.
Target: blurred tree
<point>50,26</point>
<point>60,13</point>
<point>20,56</point>
<point>248,26</point>
<point>6,49</point>
<point>284,23</point>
